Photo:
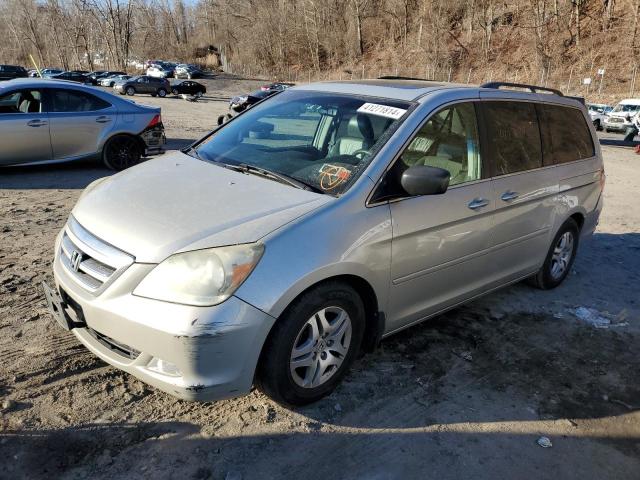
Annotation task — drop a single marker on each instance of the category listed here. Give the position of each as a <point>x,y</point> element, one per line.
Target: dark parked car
<point>73,77</point>
<point>8,72</point>
<point>240,103</point>
<point>48,72</point>
<point>144,84</point>
<point>96,77</point>
<point>188,87</point>
<point>187,71</point>
<point>276,86</point>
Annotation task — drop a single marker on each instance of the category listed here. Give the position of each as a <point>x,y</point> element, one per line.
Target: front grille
<point>616,120</point>
<point>89,261</point>
<point>116,347</point>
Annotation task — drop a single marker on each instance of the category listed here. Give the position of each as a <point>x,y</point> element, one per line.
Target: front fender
<point>337,240</point>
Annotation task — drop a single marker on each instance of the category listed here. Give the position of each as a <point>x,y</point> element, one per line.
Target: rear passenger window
<point>513,136</point>
<point>570,136</point>
<point>448,140</point>
<point>75,101</point>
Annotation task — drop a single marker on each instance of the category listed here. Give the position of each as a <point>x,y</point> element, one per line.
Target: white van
<point>620,117</point>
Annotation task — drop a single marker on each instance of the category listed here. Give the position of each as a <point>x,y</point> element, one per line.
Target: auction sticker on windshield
<point>382,110</point>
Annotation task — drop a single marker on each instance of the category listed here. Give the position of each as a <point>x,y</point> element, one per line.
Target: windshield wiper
<point>281,177</point>
<point>192,152</point>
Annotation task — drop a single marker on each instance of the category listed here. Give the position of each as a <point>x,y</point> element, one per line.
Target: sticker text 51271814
<point>382,110</point>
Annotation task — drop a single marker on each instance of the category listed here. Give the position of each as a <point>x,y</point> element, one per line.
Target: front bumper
<point>617,126</point>
<point>214,349</point>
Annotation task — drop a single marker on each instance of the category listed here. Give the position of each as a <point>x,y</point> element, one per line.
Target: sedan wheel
<point>130,91</point>
<point>162,93</point>
<point>174,91</point>
<point>121,152</point>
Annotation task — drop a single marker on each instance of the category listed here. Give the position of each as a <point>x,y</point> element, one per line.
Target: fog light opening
<point>164,367</point>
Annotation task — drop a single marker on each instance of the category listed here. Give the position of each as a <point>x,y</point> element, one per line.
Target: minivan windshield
<point>319,140</point>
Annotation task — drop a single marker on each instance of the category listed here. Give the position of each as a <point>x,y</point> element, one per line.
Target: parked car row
<point>240,103</point>
<point>162,69</point>
<point>160,87</point>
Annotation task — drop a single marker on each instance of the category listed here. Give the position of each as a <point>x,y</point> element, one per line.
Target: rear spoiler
<point>579,99</point>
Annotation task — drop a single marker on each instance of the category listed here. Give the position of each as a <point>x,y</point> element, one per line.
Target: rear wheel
<point>560,257</point>
<point>120,152</point>
<point>131,91</point>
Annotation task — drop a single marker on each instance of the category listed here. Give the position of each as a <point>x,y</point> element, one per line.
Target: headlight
<point>202,277</point>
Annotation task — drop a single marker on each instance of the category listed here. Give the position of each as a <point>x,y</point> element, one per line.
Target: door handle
<point>103,119</point>
<point>477,203</point>
<point>36,123</point>
<point>509,195</point>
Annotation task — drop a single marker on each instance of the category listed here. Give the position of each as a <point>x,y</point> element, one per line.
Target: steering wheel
<point>361,151</point>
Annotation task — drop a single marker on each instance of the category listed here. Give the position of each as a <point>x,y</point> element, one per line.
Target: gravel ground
<point>466,395</point>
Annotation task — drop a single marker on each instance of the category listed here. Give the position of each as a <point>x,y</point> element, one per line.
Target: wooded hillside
<point>553,42</point>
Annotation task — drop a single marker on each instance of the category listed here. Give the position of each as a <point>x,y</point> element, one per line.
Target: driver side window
<point>448,140</point>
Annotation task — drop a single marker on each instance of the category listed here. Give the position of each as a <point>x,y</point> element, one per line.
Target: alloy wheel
<point>320,347</point>
<point>562,255</point>
<point>122,152</point>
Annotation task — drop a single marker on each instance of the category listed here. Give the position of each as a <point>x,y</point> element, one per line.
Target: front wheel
<point>174,91</point>
<point>597,125</point>
<point>560,257</point>
<point>120,152</point>
<point>162,93</point>
<point>130,91</point>
<point>312,345</point>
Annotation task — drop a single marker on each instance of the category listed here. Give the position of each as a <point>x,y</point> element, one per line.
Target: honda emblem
<point>75,259</point>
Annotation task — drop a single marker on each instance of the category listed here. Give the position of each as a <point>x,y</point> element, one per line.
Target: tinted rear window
<point>513,136</point>
<point>569,134</point>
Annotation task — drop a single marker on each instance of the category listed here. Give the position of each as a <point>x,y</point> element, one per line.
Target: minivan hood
<point>177,203</point>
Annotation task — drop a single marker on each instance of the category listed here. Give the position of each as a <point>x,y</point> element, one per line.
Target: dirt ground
<point>466,395</point>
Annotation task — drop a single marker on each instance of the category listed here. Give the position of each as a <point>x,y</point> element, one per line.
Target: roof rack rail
<point>531,88</point>
<point>395,77</point>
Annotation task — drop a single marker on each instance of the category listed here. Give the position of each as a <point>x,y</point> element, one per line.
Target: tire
<point>131,91</point>
<point>597,125</point>
<point>322,352</point>
<point>608,130</point>
<point>153,94</point>
<point>162,92</point>
<point>558,262</point>
<point>174,91</point>
<point>120,152</point>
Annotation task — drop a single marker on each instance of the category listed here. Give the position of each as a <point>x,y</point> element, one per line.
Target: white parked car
<point>598,113</point>
<point>158,71</point>
<point>619,119</point>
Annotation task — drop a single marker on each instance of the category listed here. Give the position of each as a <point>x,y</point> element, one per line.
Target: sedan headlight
<point>202,277</point>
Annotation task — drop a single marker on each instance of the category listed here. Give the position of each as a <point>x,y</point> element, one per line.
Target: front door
<point>440,242</point>
<point>24,128</point>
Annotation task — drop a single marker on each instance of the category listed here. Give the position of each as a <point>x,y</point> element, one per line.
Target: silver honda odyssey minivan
<point>318,222</point>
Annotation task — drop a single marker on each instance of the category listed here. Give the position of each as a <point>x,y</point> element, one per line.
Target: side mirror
<point>425,180</point>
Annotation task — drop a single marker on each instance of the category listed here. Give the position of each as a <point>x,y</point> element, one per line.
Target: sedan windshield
<point>318,139</point>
